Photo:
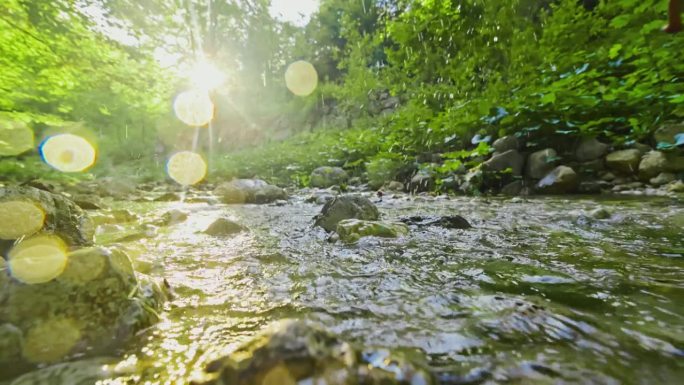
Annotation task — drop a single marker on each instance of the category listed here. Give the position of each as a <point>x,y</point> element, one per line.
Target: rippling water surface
<point>537,292</point>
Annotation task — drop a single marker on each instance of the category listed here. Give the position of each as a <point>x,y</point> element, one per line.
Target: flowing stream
<point>537,292</point>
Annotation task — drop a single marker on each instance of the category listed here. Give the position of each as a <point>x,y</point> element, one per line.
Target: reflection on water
<point>537,292</point>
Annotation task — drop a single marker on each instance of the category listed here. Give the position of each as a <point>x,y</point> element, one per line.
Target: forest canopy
<point>398,79</point>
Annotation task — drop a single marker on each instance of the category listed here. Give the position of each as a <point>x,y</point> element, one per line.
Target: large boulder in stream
<point>26,211</point>
<point>346,207</point>
<point>93,305</point>
<point>249,191</point>
<point>296,352</point>
<point>325,177</point>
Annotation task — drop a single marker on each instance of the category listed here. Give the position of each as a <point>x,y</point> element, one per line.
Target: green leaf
<point>615,51</point>
<point>549,98</point>
<point>620,21</point>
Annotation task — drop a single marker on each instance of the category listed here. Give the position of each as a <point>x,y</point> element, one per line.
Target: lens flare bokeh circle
<point>194,108</point>
<point>301,78</point>
<point>68,153</point>
<point>20,219</point>
<point>38,260</point>
<point>15,138</point>
<point>187,168</point>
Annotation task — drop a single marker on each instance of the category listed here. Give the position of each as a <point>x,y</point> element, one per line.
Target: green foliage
<point>547,71</point>
<point>384,167</point>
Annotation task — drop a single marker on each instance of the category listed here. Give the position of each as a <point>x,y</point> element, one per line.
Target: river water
<point>537,292</point>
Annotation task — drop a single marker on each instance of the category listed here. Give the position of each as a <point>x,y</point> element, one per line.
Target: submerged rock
<point>83,372</point>
<point>517,318</point>
<point>223,227</point>
<point>249,191</point>
<point>351,230</point>
<point>325,177</point>
<point>295,352</point>
<point>345,207</point>
<point>624,161</point>
<point>599,213</point>
<point>94,306</point>
<point>448,222</point>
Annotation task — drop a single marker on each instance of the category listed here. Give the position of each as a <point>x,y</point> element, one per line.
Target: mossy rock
<point>62,217</point>
<point>346,207</point>
<point>351,230</point>
<point>94,306</point>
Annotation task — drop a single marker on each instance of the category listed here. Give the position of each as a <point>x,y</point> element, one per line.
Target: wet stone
<point>328,176</point>
<point>249,191</point>
<point>447,222</point>
<point>172,217</point>
<point>345,207</point>
<point>351,230</point>
<point>223,227</point>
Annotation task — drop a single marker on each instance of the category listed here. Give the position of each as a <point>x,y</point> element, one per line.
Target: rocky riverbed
<point>467,291</point>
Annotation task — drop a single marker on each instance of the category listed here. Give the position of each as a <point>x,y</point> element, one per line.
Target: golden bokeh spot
<point>278,375</point>
<point>301,78</point>
<point>68,153</point>
<point>67,157</point>
<point>83,266</point>
<point>51,340</point>
<point>38,260</point>
<point>194,108</point>
<point>187,168</point>
<point>20,219</point>
<point>15,138</point>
